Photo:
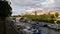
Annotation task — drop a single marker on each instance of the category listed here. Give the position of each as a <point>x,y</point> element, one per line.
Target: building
<point>40,12</point>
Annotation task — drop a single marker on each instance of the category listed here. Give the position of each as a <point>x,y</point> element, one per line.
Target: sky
<point>21,6</point>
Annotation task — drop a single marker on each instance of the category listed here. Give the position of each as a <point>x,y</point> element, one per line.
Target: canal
<point>44,30</point>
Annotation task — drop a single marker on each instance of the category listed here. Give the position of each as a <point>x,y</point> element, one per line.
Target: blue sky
<point>20,6</point>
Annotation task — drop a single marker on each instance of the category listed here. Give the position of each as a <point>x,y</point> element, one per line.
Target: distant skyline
<point>20,6</point>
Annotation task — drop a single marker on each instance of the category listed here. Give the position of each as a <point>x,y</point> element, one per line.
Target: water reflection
<point>45,30</point>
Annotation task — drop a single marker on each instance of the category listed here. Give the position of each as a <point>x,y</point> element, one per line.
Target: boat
<point>54,26</point>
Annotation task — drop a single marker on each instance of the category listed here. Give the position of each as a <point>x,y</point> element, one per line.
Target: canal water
<point>44,30</point>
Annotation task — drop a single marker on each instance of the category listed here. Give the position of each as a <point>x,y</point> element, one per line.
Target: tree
<point>5,11</point>
<point>19,15</point>
<point>48,13</point>
<point>56,14</point>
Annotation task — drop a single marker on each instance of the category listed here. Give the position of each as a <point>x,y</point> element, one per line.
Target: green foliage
<point>5,9</point>
<point>16,16</point>
<point>56,14</point>
<point>50,18</point>
<point>43,18</point>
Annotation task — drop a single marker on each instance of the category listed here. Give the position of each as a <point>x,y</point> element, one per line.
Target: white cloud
<point>22,5</point>
<point>48,3</point>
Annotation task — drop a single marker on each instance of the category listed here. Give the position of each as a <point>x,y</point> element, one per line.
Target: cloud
<point>36,3</point>
<point>19,6</point>
<point>48,3</point>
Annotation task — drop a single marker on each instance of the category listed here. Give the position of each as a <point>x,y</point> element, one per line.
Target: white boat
<point>54,26</point>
